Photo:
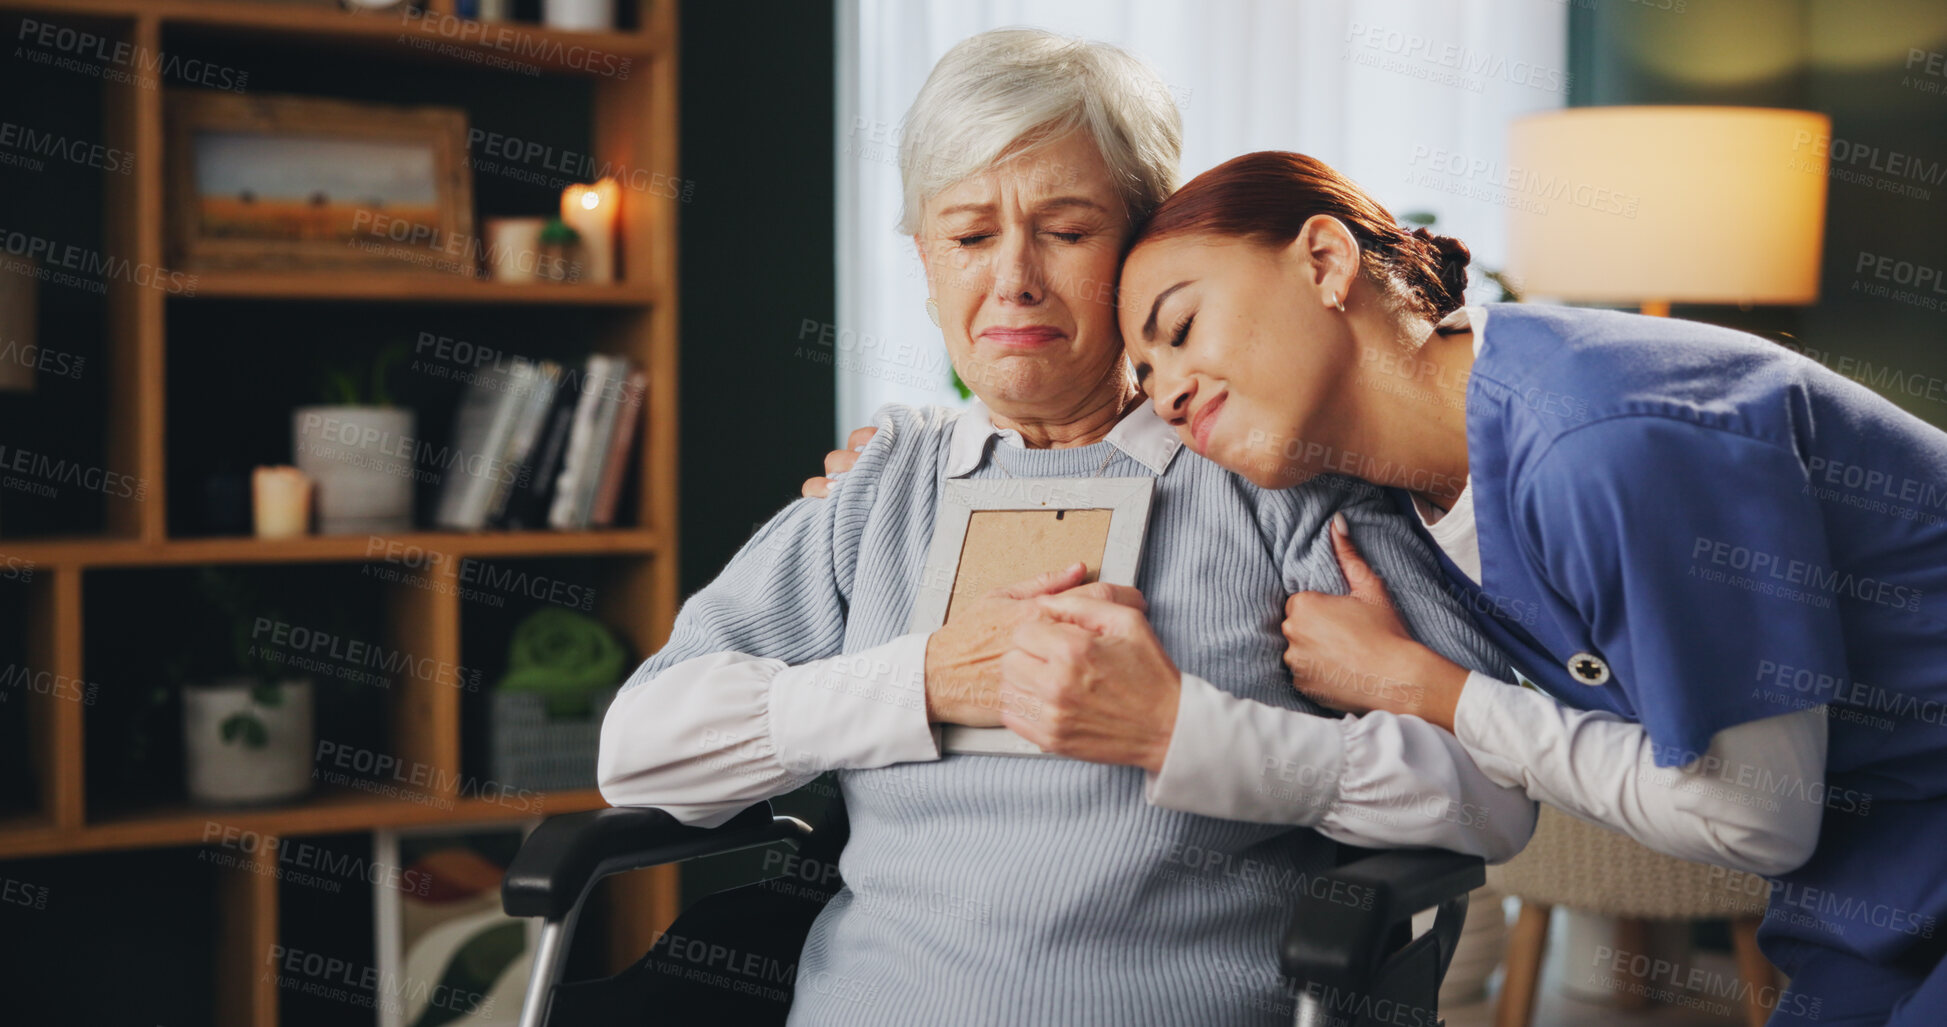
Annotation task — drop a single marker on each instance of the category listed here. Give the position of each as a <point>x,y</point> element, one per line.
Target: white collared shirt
<point>1141,435</point>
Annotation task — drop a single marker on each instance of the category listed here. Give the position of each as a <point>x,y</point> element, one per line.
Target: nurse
<point>1721,568</point>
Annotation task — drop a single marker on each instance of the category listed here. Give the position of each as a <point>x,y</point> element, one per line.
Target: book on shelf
<point>621,443</point>
<point>594,422</point>
<point>539,444</point>
<point>608,410</point>
<point>515,465</point>
<point>483,428</point>
<point>527,508</point>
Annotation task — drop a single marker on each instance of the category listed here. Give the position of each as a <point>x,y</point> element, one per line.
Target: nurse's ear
<point>1326,257</point>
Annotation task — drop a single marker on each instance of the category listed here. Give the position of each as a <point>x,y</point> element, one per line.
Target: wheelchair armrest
<point>567,854</point>
<point>1347,917</point>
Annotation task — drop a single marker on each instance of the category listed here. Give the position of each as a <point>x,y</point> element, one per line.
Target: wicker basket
<point>534,750</point>
<point>1578,865</point>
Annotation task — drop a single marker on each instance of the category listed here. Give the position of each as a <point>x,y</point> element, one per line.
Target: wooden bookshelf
<point>633,124</point>
<point>380,287</point>
<point>98,552</point>
<point>327,812</point>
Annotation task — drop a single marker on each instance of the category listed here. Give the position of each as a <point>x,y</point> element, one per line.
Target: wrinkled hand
<point>963,657</point>
<point>1087,678</point>
<point>838,461</point>
<point>1353,653</point>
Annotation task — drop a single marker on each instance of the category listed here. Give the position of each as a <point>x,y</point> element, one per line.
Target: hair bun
<point>1451,256</point>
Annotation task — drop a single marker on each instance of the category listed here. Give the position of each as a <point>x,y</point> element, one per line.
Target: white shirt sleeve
<point>711,735</point>
<point>1752,802</point>
<point>1379,780</point>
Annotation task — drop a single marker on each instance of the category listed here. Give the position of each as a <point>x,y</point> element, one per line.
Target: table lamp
<point>1650,205</point>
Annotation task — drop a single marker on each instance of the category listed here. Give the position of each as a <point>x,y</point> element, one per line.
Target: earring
<point>933,311</point>
<point>1339,302</point>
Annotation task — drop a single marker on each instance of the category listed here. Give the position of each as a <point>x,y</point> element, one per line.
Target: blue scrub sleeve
<point>1699,564</point>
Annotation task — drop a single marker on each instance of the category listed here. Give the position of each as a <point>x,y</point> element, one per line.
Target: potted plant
<point>247,721</point>
<point>560,247</point>
<point>357,448</point>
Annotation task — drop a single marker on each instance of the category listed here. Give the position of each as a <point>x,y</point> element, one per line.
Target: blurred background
<point>376,378</point>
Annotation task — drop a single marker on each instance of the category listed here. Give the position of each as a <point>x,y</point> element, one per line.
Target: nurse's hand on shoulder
<point>1353,653</point>
<point>837,462</point>
<point>1089,679</point>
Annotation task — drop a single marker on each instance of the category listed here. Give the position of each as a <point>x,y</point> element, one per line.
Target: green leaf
<point>391,356</point>
<point>558,232</point>
<point>341,389</point>
<point>263,693</point>
<point>247,727</point>
<point>958,385</point>
<point>475,967</point>
<point>1509,292</point>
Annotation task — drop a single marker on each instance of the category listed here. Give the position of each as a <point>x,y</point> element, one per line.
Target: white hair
<point>1001,92</point>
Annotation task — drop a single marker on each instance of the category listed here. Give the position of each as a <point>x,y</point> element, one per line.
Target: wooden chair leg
<point>1633,937</point>
<point>1759,976</point>
<point>1526,946</point>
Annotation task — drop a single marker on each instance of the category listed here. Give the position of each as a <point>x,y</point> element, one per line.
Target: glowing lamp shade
<point>1654,204</point>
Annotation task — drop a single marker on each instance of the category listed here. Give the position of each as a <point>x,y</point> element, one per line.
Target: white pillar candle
<point>514,248</point>
<point>281,501</point>
<point>579,15</point>
<point>591,211</point>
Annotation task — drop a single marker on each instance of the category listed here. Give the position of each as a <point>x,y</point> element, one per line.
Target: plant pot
<point>220,772</point>
<point>360,458</point>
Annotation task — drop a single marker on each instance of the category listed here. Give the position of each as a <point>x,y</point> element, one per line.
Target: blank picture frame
<point>993,532</point>
<point>305,183</point>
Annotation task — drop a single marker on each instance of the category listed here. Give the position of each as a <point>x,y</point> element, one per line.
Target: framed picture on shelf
<point>299,183</point>
<point>446,952</point>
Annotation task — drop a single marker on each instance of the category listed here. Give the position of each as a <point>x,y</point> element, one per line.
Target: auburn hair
<point>1268,196</point>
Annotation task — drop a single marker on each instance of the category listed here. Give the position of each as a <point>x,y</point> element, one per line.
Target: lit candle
<point>590,210</point>
<point>281,501</point>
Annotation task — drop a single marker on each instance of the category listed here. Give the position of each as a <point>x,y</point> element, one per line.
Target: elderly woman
<point>1147,881</point>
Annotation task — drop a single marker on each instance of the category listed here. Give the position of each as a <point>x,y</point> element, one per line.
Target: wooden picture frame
<point>993,532</point>
<point>304,183</point>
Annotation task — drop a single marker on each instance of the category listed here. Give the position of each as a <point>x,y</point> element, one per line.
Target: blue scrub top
<point>1731,532</point>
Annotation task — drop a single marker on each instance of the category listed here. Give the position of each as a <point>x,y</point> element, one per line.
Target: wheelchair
<point>1332,951</point>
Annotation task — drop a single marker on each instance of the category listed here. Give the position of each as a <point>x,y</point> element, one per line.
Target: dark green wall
<point>755,264</point>
<point>1866,64</point>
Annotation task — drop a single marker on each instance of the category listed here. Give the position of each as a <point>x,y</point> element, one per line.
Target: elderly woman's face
<point>1022,262</point>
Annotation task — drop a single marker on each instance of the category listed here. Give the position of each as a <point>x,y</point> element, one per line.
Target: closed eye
<point>1182,331</point>
<point>972,240</point>
<point>1068,236</point>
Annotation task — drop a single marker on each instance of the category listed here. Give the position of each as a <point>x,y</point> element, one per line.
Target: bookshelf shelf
<point>354,287</point>
<point>92,552</point>
<point>77,604</point>
<point>435,37</point>
<point>331,813</point>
